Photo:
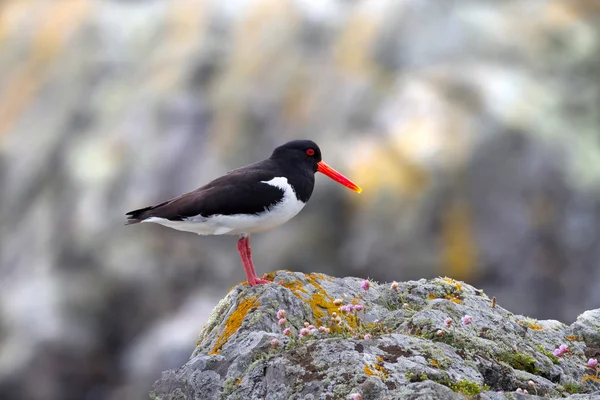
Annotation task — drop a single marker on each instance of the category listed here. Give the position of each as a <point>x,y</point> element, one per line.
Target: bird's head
<point>306,154</point>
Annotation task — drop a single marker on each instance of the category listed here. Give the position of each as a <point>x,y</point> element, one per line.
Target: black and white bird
<point>247,200</point>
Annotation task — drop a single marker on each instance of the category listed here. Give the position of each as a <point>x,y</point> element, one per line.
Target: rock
<point>397,347</point>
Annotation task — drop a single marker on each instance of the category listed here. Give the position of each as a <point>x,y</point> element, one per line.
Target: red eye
<point>310,152</point>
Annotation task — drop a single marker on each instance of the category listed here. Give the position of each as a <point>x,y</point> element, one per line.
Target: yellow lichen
<point>237,383</point>
<point>320,303</point>
<point>234,321</point>
<point>431,296</point>
<point>295,286</point>
<point>454,299</point>
<point>531,325</point>
<point>377,370</point>
<point>591,377</point>
<point>434,363</point>
<point>574,338</point>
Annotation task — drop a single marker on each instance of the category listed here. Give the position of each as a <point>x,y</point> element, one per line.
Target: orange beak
<point>336,176</point>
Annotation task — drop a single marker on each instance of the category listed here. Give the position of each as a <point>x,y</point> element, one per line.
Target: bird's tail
<point>137,216</point>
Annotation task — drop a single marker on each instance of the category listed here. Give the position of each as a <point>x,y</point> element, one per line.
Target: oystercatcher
<point>247,200</point>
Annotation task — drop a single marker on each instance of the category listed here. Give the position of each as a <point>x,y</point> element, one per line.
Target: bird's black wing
<point>241,191</point>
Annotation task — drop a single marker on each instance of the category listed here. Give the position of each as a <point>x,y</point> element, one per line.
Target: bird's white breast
<point>236,224</point>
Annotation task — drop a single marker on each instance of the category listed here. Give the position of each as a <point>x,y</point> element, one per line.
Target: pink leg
<point>243,247</point>
<point>249,255</point>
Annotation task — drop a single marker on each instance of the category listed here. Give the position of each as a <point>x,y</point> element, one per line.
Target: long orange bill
<point>336,176</point>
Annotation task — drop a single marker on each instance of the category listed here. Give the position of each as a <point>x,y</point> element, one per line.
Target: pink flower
<point>448,322</point>
<point>592,363</point>
<point>365,284</point>
<point>525,391</point>
<point>281,314</point>
<point>394,285</point>
<point>519,390</point>
<point>358,307</point>
<point>282,322</point>
<point>368,336</point>
<point>275,342</point>
<point>439,333</point>
<point>304,332</point>
<point>347,308</point>
<point>564,348</point>
<point>531,383</point>
<point>355,396</point>
<point>466,320</point>
<point>287,331</point>
<point>311,327</point>
<point>557,353</point>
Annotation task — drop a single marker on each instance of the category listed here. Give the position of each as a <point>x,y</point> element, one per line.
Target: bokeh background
<point>473,127</point>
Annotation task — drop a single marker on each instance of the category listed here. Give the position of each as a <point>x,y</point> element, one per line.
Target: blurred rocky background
<point>473,127</point>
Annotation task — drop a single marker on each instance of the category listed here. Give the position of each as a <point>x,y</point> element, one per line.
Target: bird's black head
<point>300,153</point>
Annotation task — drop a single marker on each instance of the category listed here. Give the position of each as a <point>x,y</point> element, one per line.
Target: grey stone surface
<point>409,353</point>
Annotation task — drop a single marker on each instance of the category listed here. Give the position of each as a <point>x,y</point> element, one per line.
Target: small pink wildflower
<point>368,336</point>
<point>557,353</point>
<point>525,391</point>
<point>281,314</point>
<point>347,308</point>
<point>562,349</point>
<point>592,363</point>
<point>304,332</point>
<point>355,396</point>
<point>448,322</point>
<point>282,322</point>
<point>531,383</point>
<point>287,331</point>
<point>519,390</point>
<point>359,307</point>
<point>439,333</point>
<point>394,285</point>
<point>306,324</point>
<point>365,284</point>
<point>311,327</point>
<point>275,342</point>
<point>466,320</point>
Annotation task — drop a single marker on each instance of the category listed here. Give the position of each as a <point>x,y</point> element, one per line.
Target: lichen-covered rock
<point>436,339</point>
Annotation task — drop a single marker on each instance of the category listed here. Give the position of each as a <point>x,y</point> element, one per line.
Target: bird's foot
<point>262,281</point>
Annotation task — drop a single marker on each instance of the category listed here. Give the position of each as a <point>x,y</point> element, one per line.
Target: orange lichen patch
<point>234,322</point>
<point>434,363</point>
<point>431,296</point>
<point>454,299</point>
<point>322,277</point>
<point>237,383</point>
<point>574,338</point>
<point>454,283</point>
<point>320,303</point>
<point>295,287</point>
<point>377,370</point>
<point>591,377</point>
<point>531,325</point>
